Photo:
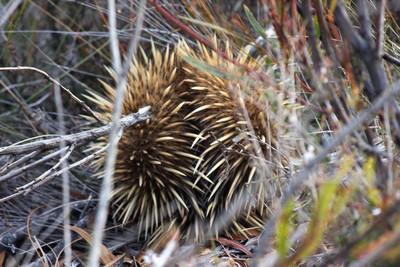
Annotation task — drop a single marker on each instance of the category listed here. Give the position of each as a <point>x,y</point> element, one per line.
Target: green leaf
<point>254,23</point>
<point>369,170</point>
<point>332,5</point>
<point>328,198</point>
<point>317,28</point>
<point>373,193</point>
<point>202,66</point>
<point>283,229</point>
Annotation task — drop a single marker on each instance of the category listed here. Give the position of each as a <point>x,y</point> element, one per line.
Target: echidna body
<point>153,180</point>
<point>203,150</point>
<point>237,137</point>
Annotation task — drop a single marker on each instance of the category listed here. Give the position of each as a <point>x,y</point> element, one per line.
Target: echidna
<point>238,139</point>
<point>197,155</point>
<point>153,181</point>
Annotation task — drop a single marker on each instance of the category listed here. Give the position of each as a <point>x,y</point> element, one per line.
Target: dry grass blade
<point>106,256</point>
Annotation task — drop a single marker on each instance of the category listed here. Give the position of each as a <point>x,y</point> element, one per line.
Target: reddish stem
<point>177,23</point>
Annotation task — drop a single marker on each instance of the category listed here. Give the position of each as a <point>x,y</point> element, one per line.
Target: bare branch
<point>121,80</point>
<point>12,165</point>
<point>365,23</point>
<point>39,180</point>
<point>391,59</point>
<point>380,27</point>
<point>364,46</point>
<point>23,169</point>
<point>84,136</point>
<point>347,28</point>
<point>63,170</point>
<point>65,178</point>
<point>312,40</point>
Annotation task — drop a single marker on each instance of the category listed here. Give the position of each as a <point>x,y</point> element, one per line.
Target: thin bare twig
<point>65,178</point>
<point>24,107</point>
<point>9,10</point>
<point>12,165</point>
<point>365,23</point>
<point>9,239</point>
<point>54,81</point>
<point>26,188</point>
<point>376,82</point>
<point>380,28</point>
<point>76,164</point>
<point>121,80</point>
<point>77,138</point>
<point>23,169</point>
<point>391,59</point>
<point>312,40</point>
<point>364,46</point>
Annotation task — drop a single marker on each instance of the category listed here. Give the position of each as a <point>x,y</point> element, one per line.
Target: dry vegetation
<point>327,78</point>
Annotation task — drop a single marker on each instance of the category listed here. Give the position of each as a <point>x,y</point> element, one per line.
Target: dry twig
<point>77,138</point>
<point>121,81</point>
<point>55,82</point>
